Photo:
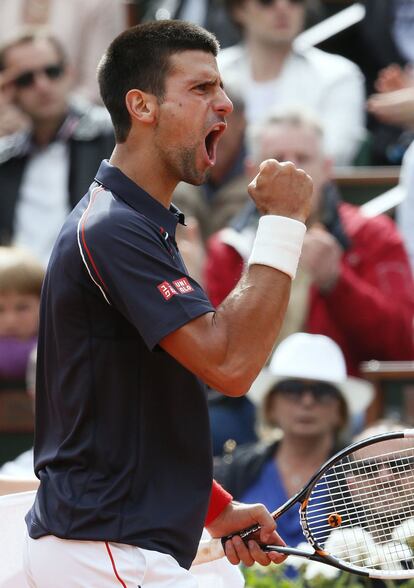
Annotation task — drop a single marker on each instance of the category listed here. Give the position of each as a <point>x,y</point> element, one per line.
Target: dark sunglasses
<point>27,78</point>
<point>394,465</point>
<point>269,2</point>
<point>294,390</point>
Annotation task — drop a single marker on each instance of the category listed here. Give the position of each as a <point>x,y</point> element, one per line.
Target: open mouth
<point>211,141</point>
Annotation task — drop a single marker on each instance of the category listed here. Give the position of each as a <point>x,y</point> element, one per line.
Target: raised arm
<point>228,348</point>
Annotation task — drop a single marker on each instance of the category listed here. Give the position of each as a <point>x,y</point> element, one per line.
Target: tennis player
<point>122,448</point>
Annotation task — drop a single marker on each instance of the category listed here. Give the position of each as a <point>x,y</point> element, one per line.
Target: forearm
<point>249,319</point>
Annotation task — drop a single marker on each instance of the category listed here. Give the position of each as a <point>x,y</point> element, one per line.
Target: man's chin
<point>200,179</point>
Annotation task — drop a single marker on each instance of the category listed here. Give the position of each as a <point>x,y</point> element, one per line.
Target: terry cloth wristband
<point>219,499</point>
<point>278,243</point>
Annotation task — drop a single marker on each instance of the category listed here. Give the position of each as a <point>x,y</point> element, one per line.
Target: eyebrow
<point>208,81</point>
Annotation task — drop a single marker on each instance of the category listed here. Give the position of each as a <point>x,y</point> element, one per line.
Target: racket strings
<point>362,509</point>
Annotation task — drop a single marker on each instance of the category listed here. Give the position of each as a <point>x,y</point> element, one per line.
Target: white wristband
<point>278,243</point>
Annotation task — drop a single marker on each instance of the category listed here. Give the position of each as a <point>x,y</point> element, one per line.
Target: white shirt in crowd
<point>329,86</point>
<point>405,211</point>
<point>44,200</point>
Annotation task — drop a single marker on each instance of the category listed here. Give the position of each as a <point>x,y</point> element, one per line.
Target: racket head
<point>358,510</point>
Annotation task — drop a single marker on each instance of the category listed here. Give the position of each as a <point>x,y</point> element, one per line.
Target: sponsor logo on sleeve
<point>183,286</point>
<point>167,290</point>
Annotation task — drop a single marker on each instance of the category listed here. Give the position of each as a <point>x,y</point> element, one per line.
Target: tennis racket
<point>356,512</point>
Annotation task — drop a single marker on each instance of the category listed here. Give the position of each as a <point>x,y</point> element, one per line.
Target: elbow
<point>232,382</point>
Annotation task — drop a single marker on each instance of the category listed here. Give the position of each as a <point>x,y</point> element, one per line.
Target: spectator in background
<point>268,70</point>
<point>385,39</point>
<point>394,104</point>
<point>45,170</point>
<point>210,14</point>
<point>83,27</point>
<point>405,211</point>
<point>306,396</point>
<point>21,277</point>
<point>354,279</point>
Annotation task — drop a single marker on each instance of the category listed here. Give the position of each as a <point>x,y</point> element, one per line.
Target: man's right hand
<point>282,189</point>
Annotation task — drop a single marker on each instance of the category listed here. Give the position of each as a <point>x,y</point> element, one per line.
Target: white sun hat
<point>312,357</point>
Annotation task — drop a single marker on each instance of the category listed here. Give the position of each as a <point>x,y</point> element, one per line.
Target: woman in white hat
<point>305,393</point>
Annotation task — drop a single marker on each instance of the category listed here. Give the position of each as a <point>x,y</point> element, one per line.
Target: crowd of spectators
<point>317,106</point>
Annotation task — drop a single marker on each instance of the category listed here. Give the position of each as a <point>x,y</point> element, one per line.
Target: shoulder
<point>12,146</point>
<point>358,226</point>
<point>329,66</point>
<point>230,56</point>
<point>94,121</point>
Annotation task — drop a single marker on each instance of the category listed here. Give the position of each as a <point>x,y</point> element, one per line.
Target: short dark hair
<point>31,35</point>
<point>139,58</point>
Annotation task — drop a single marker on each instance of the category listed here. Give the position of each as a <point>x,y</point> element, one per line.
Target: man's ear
<point>141,106</point>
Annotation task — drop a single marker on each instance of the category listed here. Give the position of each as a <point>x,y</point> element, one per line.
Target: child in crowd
<point>21,277</point>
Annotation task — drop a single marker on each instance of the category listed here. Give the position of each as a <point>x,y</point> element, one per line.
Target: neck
<point>44,132</point>
<point>299,450</point>
<point>145,169</point>
<point>266,60</point>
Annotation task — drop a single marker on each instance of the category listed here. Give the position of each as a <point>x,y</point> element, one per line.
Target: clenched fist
<point>282,189</point>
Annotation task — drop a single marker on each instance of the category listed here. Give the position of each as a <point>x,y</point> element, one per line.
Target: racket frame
<point>320,555</point>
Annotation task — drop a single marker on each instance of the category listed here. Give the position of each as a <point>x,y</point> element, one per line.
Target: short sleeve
<point>141,274</point>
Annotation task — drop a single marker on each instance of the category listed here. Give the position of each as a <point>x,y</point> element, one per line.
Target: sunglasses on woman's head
<point>27,78</point>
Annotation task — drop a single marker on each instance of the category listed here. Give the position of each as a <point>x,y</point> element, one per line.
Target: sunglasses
<point>294,390</point>
<point>269,2</point>
<point>396,466</point>
<point>27,78</point>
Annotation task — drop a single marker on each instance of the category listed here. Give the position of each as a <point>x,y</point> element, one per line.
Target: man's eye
<point>202,87</point>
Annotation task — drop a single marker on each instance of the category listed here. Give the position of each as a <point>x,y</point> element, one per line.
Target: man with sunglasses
<point>268,68</point>
<point>45,171</point>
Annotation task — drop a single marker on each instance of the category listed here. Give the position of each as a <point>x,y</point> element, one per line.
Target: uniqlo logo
<point>183,286</point>
<point>167,290</point>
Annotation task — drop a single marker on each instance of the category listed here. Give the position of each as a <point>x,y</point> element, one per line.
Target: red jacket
<point>370,311</point>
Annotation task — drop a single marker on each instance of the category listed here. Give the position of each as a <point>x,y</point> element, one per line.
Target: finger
<point>242,551</point>
<point>259,555</point>
<point>231,553</point>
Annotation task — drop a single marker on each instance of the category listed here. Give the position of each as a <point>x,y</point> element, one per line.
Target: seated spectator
<point>385,41</point>
<point>44,171</point>
<point>210,14</point>
<point>22,466</point>
<point>354,279</point>
<point>21,278</point>
<point>83,27</point>
<point>405,211</point>
<point>306,396</point>
<point>394,104</point>
<point>268,70</point>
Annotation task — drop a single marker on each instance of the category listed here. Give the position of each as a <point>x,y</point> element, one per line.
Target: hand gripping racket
<point>356,512</point>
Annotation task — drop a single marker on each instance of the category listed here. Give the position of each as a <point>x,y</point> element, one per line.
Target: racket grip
<point>244,534</point>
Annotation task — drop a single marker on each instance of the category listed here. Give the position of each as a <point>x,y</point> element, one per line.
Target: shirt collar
<point>117,182</point>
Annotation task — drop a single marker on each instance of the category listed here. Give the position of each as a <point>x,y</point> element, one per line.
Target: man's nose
<point>223,103</point>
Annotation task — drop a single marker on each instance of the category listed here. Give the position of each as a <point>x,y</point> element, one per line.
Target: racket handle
<point>214,548</point>
<point>244,534</point>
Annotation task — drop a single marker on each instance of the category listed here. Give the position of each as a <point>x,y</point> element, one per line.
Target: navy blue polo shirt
<point>122,443</point>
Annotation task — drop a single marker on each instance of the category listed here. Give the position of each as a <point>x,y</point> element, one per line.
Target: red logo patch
<point>167,290</point>
<point>183,286</point>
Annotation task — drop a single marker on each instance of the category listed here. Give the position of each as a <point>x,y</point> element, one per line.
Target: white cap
<point>312,357</point>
